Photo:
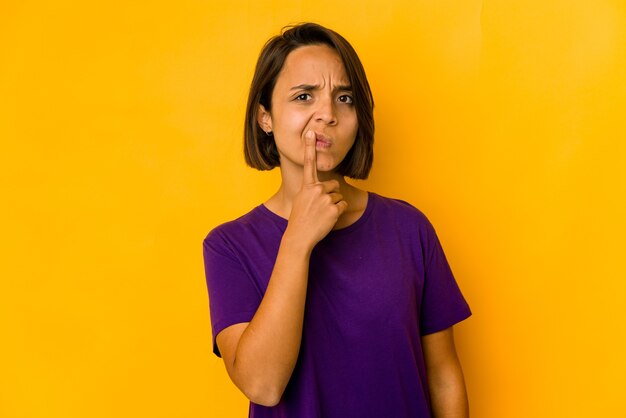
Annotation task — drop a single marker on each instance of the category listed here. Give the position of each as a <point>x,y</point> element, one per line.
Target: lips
<point>322,139</point>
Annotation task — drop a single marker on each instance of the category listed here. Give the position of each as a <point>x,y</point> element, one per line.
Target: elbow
<point>264,396</point>
<point>262,387</point>
<point>266,402</point>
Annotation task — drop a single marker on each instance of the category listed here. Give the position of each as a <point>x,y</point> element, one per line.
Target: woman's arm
<point>261,355</point>
<point>445,377</point>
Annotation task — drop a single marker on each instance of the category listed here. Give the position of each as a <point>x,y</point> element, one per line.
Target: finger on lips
<point>330,187</point>
<point>310,158</point>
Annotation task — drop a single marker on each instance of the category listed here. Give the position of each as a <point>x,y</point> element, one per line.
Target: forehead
<point>313,62</point>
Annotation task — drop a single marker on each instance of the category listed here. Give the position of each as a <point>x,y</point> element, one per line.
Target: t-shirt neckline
<point>333,232</point>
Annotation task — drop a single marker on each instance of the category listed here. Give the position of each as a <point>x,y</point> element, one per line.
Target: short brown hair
<point>259,148</point>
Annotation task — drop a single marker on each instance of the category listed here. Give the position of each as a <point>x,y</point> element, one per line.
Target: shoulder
<point>402,212</point>
<point>411,224</point>
<point>225,235</point>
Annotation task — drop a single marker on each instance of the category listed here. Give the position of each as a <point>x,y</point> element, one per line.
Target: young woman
<point>328,300</point>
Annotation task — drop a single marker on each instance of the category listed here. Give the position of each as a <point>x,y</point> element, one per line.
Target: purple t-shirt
<point>374,288</point>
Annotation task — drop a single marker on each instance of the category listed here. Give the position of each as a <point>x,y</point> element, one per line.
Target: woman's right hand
<point>318,205</point>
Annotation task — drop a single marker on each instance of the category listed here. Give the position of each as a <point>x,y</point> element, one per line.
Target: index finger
<point>310,159</point>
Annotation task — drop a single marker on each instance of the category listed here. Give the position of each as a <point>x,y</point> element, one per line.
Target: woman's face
<point>312,92</point>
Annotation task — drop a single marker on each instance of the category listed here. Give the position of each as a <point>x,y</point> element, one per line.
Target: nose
<point>325,111</point>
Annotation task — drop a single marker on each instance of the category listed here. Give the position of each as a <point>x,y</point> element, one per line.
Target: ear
<point>264,119</point>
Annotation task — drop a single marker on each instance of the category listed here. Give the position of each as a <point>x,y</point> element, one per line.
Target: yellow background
<point>121,127</point>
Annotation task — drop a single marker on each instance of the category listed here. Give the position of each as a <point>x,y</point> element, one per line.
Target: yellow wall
<point>121,127</point>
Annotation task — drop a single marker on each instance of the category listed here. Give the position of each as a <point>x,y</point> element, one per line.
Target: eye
<point>345,99</point>
<point>302,97</point>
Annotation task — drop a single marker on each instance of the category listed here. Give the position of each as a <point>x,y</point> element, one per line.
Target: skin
<point>260,355</point>
<point>448,394</point>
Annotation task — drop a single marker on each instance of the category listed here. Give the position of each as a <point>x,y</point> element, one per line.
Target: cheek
<point>289,133</point>
<point>351,129</point>
<point>350,121</point>
<point>291,121</point>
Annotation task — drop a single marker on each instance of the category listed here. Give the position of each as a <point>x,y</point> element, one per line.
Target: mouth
<point>322,141</point>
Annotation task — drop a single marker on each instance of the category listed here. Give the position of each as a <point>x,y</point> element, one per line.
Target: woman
<point>327,300</point>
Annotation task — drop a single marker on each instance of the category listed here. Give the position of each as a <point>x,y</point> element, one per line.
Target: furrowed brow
<point>305,87</point>
<point>308,87</point>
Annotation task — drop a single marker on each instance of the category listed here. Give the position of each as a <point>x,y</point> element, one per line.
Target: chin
<point>326,167</point>
<point>327,164</point>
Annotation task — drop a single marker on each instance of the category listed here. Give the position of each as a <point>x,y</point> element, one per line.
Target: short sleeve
<point>443,304</point>
<point>233,298</point>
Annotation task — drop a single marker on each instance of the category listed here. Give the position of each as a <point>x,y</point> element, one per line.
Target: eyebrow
<point>308,87</point>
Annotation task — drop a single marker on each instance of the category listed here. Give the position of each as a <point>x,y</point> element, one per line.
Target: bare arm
<point>448,394</point>
<point>261,355</point>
